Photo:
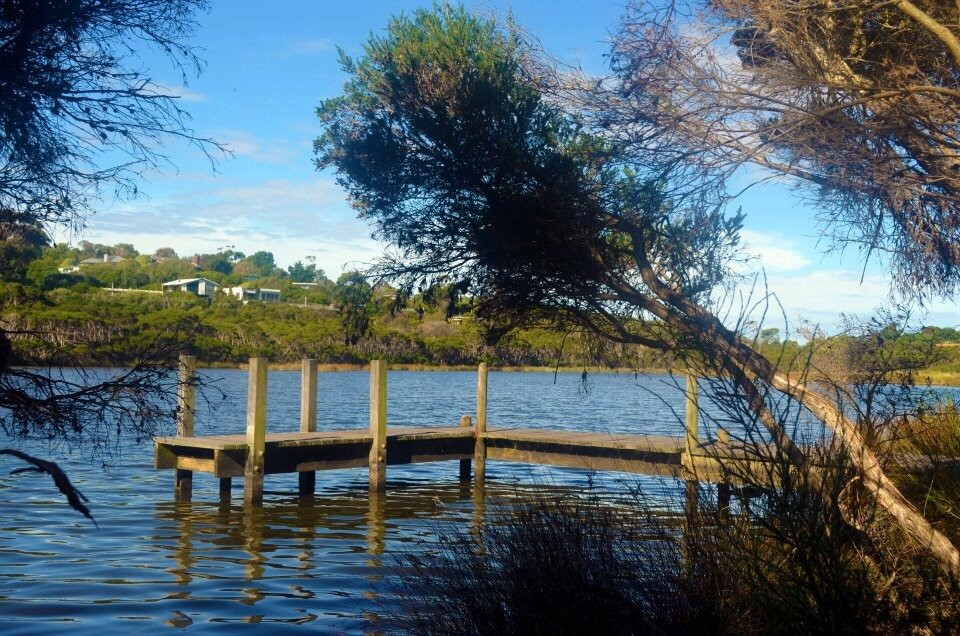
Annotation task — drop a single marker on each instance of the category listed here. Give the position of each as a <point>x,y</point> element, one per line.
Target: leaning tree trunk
<point>734,356</point>
<point>742,358</point>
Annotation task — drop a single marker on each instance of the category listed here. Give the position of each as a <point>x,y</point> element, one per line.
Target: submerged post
<point>256,431</point>
<point>480,447</point>
<point>465,421</point>
<point>378,425</point>
<point>186,406</point>
<point>691,419</point>
<point>308,417</point>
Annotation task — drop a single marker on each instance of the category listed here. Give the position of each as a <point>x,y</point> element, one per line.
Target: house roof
<point>187,281</point>
<point>101,260</point>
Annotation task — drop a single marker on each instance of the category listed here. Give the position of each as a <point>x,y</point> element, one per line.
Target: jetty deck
<point>225,455</point>
<point>256,453</point>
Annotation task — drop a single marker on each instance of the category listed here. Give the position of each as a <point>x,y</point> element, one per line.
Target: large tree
<point>81,118</point>
<point>445,143</point>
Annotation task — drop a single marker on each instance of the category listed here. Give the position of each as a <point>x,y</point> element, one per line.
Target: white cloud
<point>291,218</point>
<point>822,296</point>
<point>244,144</point>
<point>772,253</point>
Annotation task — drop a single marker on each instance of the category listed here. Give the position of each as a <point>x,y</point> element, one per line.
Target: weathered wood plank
<point>465,422</point>
<point>186,406</point>
<point>691,415</point>
<point>307,480</point>
<point>378,425</point>
<point>616,464</point>
<point>256,431</point>
<point>480,444</point>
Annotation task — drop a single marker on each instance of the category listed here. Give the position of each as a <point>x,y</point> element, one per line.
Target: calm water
<point>314,565</point>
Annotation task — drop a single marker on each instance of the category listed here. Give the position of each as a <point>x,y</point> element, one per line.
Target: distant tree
<point>300,273</point>
<point>770,336</point>
<point>49,263</point>
<point>165,252</point>
<point>263,262</point>
<point>125,250</point>
<point>444,140</point>
<point>20,243</point>
<point>354,296</point>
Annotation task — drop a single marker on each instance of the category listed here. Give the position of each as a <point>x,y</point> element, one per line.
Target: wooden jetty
<point>256,453</point>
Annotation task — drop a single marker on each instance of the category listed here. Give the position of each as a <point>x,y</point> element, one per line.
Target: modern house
<point>246,294</point>
<point>198,286</point>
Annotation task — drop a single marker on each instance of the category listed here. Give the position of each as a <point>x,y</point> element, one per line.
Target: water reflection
<point>323,560</point>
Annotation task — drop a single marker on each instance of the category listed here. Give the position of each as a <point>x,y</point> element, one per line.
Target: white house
<point>247,294</point>
<point>199,286</point>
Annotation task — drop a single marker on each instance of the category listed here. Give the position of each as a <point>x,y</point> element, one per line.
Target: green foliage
<point>262,263</point>
<point>443,141</point>
<point>353,296</point>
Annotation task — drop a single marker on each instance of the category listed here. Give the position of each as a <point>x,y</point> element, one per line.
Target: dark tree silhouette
<point>80,119</point>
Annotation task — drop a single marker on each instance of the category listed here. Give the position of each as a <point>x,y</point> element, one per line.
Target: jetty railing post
<point>480,446</point>
<point>308,417</point>
<point>691,420</point>
<point>723,487</point>
<point>465,421</point>
<point>186,407</point>
<point>378,425</point>
<point>256,431</point>
<point>692,445</point>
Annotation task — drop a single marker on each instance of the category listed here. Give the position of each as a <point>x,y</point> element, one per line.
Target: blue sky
<point>270,63</point>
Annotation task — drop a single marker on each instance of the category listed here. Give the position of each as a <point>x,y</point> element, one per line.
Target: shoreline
<point>931,378</point>
<point>333,367</point>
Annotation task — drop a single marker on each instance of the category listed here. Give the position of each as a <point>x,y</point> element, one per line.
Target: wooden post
<point>226,487</point>
<point>723,487</point>
<point>378,425</point>
<point>308,417</point>
<point>256,431</point>
<point>691,419</point>
<point>465,421</point>
<point>186,406</point>
<point>480,446</point>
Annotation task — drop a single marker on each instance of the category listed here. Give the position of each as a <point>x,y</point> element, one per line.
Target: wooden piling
<point>480,446</point>
<point>723,487</point>
<point>186,407</point>
<point>378,425</point>
<point>308,417</point>
<point>256,431</point>
<point>691,420</point>
<point>465,421</point>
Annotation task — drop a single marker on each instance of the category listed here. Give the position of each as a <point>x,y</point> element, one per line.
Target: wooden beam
<point>308,418</point>
<point>480,445</point>
<point>186,407</point>
<point>378,425</point>
<point>256,431</point>
<point>465,421</point>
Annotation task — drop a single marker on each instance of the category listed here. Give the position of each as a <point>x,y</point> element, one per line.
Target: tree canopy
<point>446,140</point>
<point>80,116</point>
<point>855,102</point>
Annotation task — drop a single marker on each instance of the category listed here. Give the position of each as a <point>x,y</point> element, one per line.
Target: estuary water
<point>317,565</point>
